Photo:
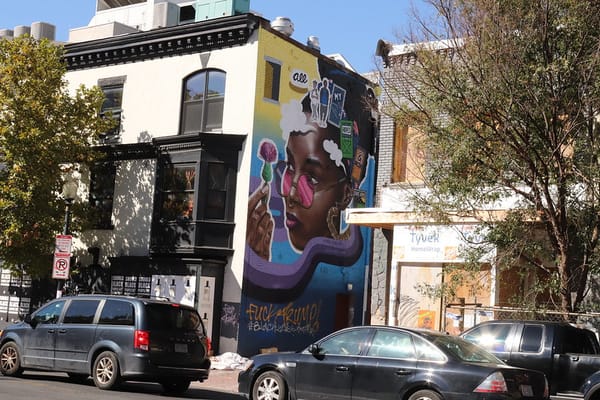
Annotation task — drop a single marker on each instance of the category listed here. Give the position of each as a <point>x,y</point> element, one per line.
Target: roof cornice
<point>163,42</point>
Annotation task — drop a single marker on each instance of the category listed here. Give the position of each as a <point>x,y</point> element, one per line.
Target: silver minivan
<point>111,339</point>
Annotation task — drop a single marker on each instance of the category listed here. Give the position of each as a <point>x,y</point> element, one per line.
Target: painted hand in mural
<point>259,231</point>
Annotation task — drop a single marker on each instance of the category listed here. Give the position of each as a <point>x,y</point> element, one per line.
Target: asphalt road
<point>56,386</point>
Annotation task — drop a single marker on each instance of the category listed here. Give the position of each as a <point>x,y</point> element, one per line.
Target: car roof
<point>145,300</point>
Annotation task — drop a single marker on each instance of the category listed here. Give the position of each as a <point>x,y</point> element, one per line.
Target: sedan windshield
<point>463,350</point>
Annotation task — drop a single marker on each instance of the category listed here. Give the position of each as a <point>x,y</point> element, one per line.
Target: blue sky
<point>348,27</point>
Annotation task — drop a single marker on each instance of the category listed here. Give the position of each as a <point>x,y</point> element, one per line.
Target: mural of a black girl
<point>298,205</point>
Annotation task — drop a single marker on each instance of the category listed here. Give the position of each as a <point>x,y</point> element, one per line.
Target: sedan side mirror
<point>315,349</point>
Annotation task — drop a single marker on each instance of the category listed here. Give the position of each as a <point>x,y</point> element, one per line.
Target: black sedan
<point>379,362</point>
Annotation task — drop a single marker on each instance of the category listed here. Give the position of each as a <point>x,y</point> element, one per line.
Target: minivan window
<point>117,312</point>
<point>166,316</point>
<point>50,313</point>
<point>81,312</point>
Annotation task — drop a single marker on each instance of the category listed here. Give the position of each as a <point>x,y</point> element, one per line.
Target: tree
<point>505,96</point>
<point>43,128</point>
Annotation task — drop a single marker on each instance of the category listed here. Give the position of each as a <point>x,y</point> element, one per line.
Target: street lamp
<point>69,193</point>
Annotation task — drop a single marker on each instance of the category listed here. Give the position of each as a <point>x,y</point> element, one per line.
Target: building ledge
<point>387,219</point>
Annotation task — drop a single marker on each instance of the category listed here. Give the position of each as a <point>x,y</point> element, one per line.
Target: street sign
<point>60,266</point>
<point>63,244</point>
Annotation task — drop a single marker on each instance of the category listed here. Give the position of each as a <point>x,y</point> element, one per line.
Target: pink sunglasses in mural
<point>305,185</point>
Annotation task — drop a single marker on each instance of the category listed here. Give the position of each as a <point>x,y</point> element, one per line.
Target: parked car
<point>379,362</point>
<point>111,338</point>
<point>568,355</point>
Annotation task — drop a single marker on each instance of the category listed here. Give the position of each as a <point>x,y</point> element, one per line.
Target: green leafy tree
<point>43,128</point>
<point>505,96</point>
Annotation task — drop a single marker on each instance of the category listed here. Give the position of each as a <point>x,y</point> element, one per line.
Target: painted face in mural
<point>314,186</point>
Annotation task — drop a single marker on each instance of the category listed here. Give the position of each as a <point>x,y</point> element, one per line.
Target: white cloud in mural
<point>292,119</point>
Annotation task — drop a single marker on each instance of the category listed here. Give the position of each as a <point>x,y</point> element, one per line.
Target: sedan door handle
<point>574,358</point>
<point>62,331</point>
<point>403,372</point>
<point>341,368</point>
<point>50,330</point>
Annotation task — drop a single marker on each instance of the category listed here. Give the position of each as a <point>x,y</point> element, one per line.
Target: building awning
<point>387,219</point>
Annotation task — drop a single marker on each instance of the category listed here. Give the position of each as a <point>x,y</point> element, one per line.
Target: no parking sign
<point>62,257</point>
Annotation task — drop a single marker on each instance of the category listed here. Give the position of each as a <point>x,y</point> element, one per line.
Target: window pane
<point>81,312</point>
<point>180,178</point>
<point>165,316</point>
<point>492,336</point>
<point>117,312</point>
<point>102,189</point>
<point>192,116</point>
<point>272,77</point>
<point>532,338</point>
<point>217,174</point>
<point>216,84</point>
<point>392,345</point>
<point>347,343</point>
<point>113,97</point>
<point>194,88</point>
<point>178,192</point>
<point>49,314</point>
<point>214,117</point>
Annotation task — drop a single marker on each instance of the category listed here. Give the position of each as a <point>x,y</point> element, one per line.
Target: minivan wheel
<point>176,386</point>
<point>106,371</point>
<point>269,386</point>
<point>10,360</point>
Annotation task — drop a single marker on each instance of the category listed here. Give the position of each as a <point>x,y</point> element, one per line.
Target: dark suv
<point>111,338</point>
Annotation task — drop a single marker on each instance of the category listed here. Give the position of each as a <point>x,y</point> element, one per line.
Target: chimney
<point>313,43</point>
<point>6,33</point>
<point>43,30</point>
<point>22,30</point>
<point>283,25</point>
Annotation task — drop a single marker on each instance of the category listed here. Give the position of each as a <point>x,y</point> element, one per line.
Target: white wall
<point>151,108</point>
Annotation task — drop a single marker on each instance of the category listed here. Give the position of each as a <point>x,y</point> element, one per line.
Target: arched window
<point>202,104</point>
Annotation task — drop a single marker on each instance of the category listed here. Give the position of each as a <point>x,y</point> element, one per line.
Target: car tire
<point>10,360</point>
<point>425,395</point>
<point>106,372</point>
<point>269,386</point>
<point>175,386</point>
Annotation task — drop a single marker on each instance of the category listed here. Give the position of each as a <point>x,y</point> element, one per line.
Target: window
<point>531,341</point>
<point>195,194</point>
<point>166,316</point>
<point>392,345</point>
<point>400,153</point>
<point>272,78</point>
<point>187,14</point>
<point>81,312</point>
<point>346,343</point>
<point>493,337</point>
<point>203,100</point>
<point>216,191</point>
<point>49,314</point>
<point>102,190</point>
<point>112,107</point>
<point>116,312</point>
<point>178,193</point>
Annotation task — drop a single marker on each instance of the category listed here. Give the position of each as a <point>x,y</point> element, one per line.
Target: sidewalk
<point>224,380</point>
